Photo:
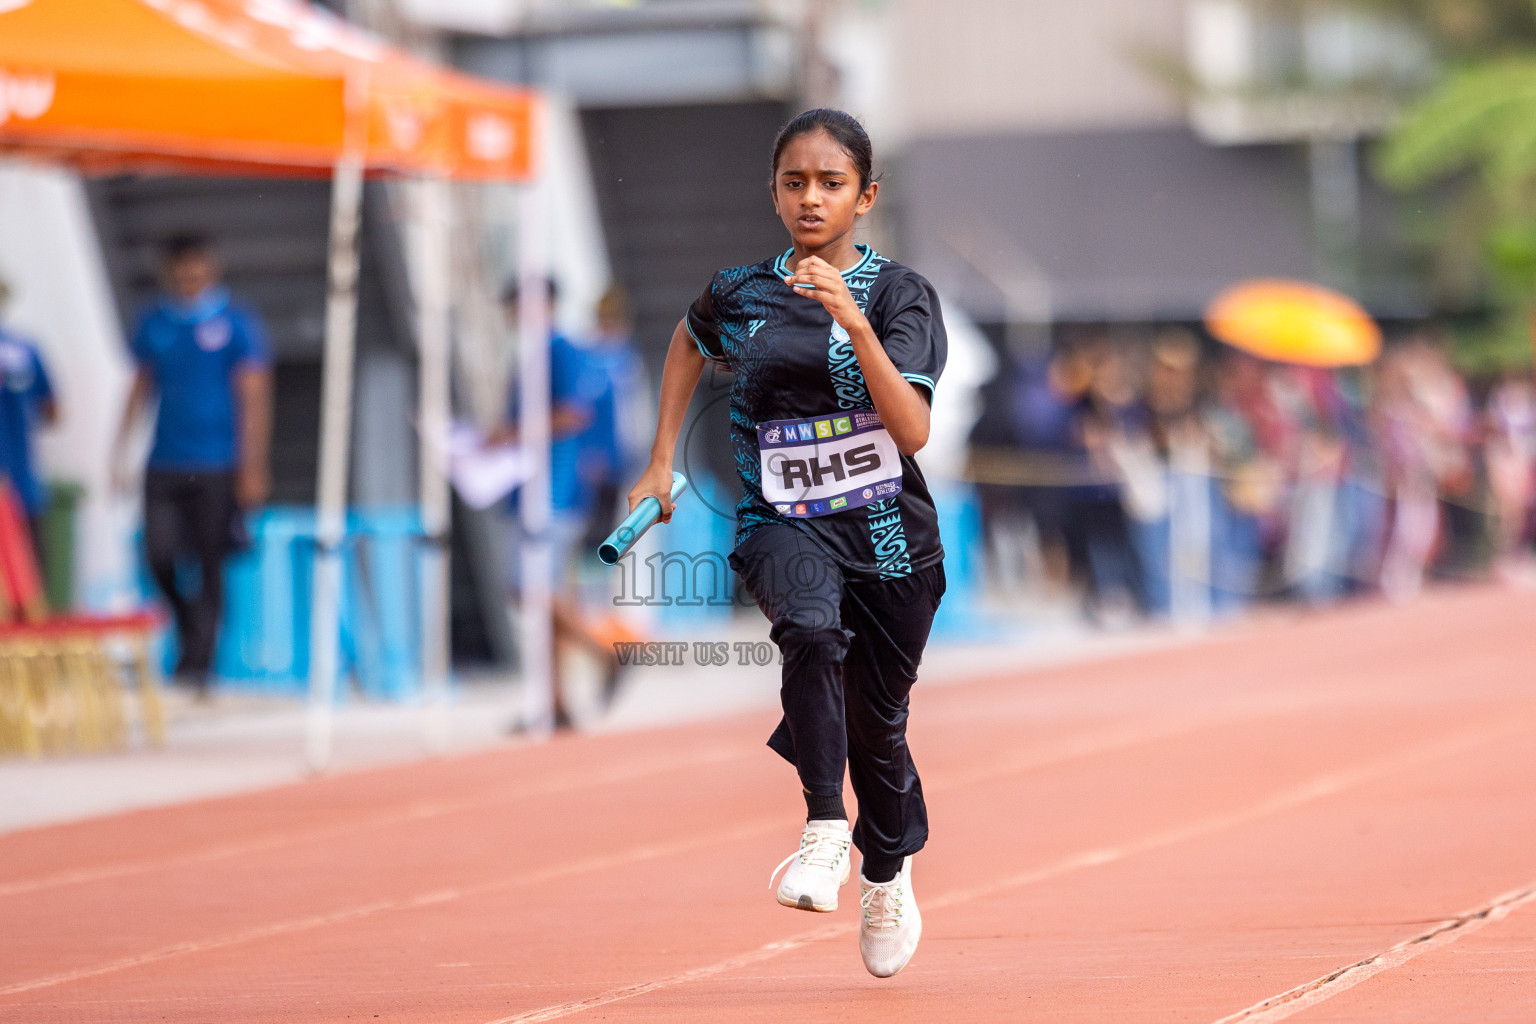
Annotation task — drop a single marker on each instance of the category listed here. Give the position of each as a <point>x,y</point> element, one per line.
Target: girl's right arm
<point>679,377</point>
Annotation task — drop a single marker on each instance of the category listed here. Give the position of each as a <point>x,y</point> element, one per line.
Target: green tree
<point>1467,130</point>
<point>1479,126</point>
<point>1457,30</point>
<point>1474,129</point>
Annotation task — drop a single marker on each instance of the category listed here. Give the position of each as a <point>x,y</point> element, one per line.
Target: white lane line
<point>1302,997</point>
<point>609,862</point>
<point>1073,747</point>
<point>1100,741</point>
<point>1067,749</point>
<point>250,935</point>
<point>1147,729</point>
<point>417,812</point>
<point>747,959</point>
<point>1315,789</point>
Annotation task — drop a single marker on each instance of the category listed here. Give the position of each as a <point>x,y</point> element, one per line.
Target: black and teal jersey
<point>791,361</point>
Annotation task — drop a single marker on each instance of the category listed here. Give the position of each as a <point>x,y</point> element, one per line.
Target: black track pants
<point>189,514</point>
<point>850,653</point>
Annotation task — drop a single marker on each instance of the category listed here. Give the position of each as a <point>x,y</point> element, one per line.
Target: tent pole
<point>335,441</point>
<point>534,502</point>
<point>433,211</point>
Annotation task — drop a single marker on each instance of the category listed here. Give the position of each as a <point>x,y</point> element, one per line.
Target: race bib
<point>826,465</point>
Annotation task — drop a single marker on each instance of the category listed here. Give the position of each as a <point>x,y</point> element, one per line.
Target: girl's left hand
<point>830,290</point>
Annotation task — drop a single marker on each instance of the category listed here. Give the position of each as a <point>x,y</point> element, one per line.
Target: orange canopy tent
<point>281,87</point>
<point>274,86</point>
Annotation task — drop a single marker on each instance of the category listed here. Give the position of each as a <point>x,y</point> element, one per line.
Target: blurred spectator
<point>1261,480</point>
<point>1315,558</point>
<point>580,432</point>
<point>26,400</point>
<point>1162,457</point>
<point>1425,418</point>
<point>1097,533</point>
<point>1249,439</point>
<point>1510,453</point>
<point>1460,485</point>
<point>1028,457</point>
<point>205,357</point>
<point>612,448</point>
<point>1362,504</point>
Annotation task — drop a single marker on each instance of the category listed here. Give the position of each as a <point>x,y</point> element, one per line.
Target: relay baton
<point>633,528</point>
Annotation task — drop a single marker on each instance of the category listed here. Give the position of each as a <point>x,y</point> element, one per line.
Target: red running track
<point>1329,818</point>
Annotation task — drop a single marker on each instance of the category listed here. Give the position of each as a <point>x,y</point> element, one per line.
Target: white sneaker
<point>891,925</point>
<point>817,869</point>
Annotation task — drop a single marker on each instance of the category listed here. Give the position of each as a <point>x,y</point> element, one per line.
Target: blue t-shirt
<point>603,444</point>
<point>575,383</point>
<point>24,388</point>
<point>191,351</point>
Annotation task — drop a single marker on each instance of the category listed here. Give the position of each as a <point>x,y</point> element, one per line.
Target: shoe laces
<point>819,848</point>
<point>882,905</point>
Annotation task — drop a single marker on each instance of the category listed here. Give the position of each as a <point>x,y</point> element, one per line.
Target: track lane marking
<point>1320,787</point>
<point>417,812</point>
<point>1255,709</point>
<point>1073,748</point>
<point>1302,997</point>
<point>1070,748</point>
<point>587,865</point>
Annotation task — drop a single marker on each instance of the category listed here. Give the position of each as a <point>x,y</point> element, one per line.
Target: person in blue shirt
<point>205,357</point>
<point>576,386</point>
<point>26,401</point>
<point>613,444</point>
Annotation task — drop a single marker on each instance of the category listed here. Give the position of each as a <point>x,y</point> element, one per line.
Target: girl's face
<point>816,191</point>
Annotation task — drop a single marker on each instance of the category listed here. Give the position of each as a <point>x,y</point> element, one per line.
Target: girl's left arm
<point>902,408</point>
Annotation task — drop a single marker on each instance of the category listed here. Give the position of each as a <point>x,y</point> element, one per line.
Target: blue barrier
<point>264,636</point>
<point>961,615</point>
<point>704,537</point>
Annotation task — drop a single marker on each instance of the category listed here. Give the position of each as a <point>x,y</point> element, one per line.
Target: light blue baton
<point>633,528</point>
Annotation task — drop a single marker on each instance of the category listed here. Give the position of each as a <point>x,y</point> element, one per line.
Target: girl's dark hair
<point>845,131</point>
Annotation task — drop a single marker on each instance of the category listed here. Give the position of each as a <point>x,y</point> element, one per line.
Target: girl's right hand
<point>655,482</point>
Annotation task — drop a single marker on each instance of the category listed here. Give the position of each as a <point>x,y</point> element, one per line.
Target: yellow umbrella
<point>1294,322</point>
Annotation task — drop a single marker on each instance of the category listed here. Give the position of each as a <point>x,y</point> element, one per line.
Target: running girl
<point>835,352</point>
